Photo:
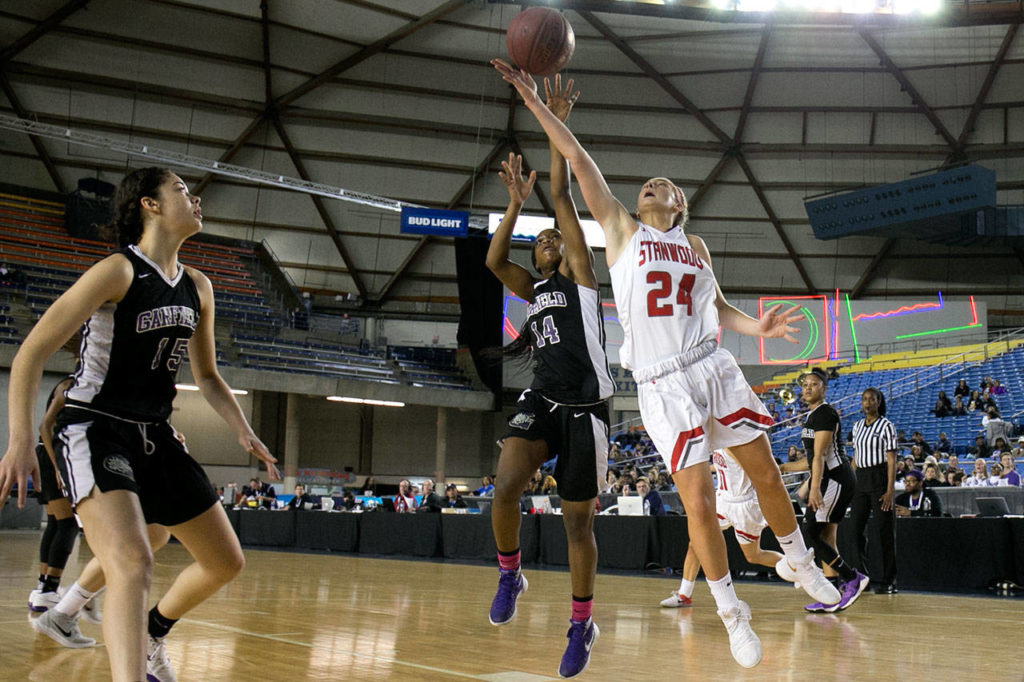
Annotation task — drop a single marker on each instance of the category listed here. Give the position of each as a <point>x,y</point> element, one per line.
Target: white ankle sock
<point>74,600</point>
<point>686,588</point>
<point>724,593</point>
<point>793,545</point>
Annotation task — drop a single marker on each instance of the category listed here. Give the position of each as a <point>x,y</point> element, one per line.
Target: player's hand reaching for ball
<point>520,80</point>
<point>255,447</point>
<point>511,174</point>
<point>560,100</point>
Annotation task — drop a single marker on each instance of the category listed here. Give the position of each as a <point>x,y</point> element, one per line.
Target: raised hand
<point>255,447</point>
<point>774,325</point>
<point>522,81</point>
<point>560,100</point>
<point>511,174</point>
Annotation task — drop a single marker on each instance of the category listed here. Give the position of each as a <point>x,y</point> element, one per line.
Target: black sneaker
<point>886,589</point>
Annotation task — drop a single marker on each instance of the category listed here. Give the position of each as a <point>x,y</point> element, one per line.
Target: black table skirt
<point>942,554</point>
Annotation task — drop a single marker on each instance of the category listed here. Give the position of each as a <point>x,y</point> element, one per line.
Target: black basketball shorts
<point>47,489</point>
<point>108,453</point>
<point>578,435</point>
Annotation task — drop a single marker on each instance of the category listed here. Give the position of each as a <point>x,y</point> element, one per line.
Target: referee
<point>874,446</point>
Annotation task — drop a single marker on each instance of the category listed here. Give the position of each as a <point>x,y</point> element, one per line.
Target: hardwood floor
<point>340,617</point>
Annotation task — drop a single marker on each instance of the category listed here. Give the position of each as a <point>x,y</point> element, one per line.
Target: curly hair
<point>126,227</point>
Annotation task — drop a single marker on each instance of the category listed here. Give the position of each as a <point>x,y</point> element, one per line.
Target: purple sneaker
<point>510,585</point>
<point>818,607</point>
<point>577,654</point>
<point>850,591</point>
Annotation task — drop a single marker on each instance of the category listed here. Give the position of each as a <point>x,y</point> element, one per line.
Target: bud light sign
<point>435,221</point>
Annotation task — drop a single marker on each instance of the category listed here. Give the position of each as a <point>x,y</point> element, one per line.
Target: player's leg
<point>57,544</point>
<point>755,554</point>
<point>682,596</point>
<point>518,460</point>
<point>860,512</point>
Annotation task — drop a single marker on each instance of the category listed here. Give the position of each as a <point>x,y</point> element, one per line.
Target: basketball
<point>540,41</point>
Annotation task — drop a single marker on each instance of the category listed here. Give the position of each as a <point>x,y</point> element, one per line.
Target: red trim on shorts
<point>720,516</point>
<point>746,535</point>
<point>746,413</point>
<point>681,444</point>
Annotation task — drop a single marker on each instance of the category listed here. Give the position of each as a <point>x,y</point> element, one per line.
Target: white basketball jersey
<point>733,482</point>
<point>665,294</point>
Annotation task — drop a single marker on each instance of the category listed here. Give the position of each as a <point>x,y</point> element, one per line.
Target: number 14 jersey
<point>131,350</point>
<point>665,294</point>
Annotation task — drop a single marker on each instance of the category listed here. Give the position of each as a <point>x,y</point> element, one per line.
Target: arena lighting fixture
<point>69,136</point>
<point>364,401</point>
<point>529,226</point>
<point>193,387</point>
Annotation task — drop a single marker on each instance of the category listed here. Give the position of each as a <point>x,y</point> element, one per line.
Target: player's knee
<point>579,527</point>
<point>133,563</point>
<point>505,491</point>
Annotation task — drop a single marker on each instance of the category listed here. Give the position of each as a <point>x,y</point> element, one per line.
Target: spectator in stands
<point>260,493</point>
<point>997,388</point>
<point>943,446</point>
<point>997,429</point>
<point>348,501</point>
<point>981,449</point>
<point>301,498</point>
<point>991,414</point>
<point>1010,474</point>
<point>995,474</point>
<point>976,402</point>
<point>653,504</point>
<point>918,439</point>
<point>979,477</point>
<point>369,487</point>
<point>958,407</point>
<point>549,486</point>
<point>917,500</point>
<point>953,464</point>
<point>404,500</point>
<point>901,470</point>
<point>943,407</point>
<point>1018,452</point>
<point>1000,447</point>
<point>985,384</point>
<point>932,477</point>
<point>962,390</point>
<point>431,502</point>
<point>486,488</point>
<point>452,497</point>
<point>663,483</point>
<point>611,479</point>
<point>917,453</point>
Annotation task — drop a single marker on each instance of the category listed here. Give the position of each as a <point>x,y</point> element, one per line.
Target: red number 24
<point>663,289</point>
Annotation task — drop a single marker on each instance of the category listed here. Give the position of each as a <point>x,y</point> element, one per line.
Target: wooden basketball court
<point>316,617</point>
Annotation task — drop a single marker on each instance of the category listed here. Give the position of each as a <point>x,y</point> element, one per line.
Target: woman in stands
<point>692,395</point>
<point>124,467</point>
<point>564,412</point>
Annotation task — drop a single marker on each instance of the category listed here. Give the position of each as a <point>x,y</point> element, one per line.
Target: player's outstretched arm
<point>108,280</point>
<point>772,325</point>
<point>618,224</point>
<point>512,275</point>
<point>202,357</point>
<point>578,255</point>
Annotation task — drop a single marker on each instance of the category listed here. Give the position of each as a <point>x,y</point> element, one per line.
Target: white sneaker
<point>676,601</point>
<point>814,582</point>
<point>91,611</point>
<point>158,666</point>
<point>40,601</point>
<point>62,629</point>
<point>786,572</point>
<point>743,642</point>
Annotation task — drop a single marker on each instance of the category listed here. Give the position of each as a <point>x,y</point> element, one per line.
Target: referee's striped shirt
<point>870,443</point>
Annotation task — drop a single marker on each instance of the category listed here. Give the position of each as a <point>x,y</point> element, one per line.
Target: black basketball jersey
<point>131,350</point>
<point>824,418</point>
<point>567,337</point>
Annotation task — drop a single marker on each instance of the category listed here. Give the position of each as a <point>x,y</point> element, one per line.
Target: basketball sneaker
<point>511,584</point>
<point>91,611</point>
<point>62,629</point>
<point>811,578</point>
<point>743,642</point>
<point>40,601</point>
<point>158,666</point>
<point>851,590</point>
<point>675,601</point>
<point>576,658</point>
<point>786,572</point>
<point>818,607</point>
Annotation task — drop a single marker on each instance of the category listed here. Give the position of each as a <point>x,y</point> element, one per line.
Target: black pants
<point>872,482</point>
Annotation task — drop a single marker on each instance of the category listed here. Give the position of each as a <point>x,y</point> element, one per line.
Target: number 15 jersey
<point>131,350</point>
<point>665,294</point>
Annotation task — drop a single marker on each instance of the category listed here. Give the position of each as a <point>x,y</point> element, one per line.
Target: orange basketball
<point>540,41</point>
